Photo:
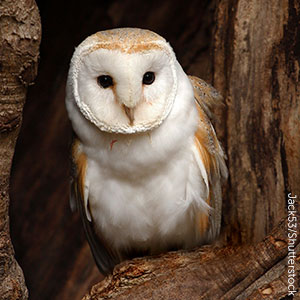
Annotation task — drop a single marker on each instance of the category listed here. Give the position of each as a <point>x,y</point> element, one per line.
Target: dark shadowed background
<point>48,239</point>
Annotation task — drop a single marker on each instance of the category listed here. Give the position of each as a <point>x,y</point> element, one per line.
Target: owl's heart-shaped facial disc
<point>124,81</point>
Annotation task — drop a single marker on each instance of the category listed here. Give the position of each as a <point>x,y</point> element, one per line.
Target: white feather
<point>85,199</point>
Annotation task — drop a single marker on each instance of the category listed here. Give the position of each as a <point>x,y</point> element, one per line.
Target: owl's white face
<point>124,86</point>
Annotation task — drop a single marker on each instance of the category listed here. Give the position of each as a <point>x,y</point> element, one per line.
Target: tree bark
<point>256,67</point>
<point>20,34</point>
<point>234,272</point>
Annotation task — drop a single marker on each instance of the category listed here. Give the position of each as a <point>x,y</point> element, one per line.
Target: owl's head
<point>123,80</point>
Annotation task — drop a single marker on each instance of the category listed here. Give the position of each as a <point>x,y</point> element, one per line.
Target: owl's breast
<point>148,211</point>
<point>140,192</point>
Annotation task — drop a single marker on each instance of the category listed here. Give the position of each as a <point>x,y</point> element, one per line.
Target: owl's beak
<point>129,94</point>
<point>129,111</point>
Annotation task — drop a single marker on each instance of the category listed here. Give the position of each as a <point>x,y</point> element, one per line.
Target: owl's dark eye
<point>148,78</point>
<point>105,81</point>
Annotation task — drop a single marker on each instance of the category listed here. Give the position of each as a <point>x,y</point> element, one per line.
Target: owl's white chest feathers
<point>143,189</point>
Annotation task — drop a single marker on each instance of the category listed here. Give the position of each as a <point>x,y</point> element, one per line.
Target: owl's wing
<point>104,259</point>
<point>209,154</point>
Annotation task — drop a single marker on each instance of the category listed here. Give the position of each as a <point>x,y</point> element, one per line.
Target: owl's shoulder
<point>205,94</point>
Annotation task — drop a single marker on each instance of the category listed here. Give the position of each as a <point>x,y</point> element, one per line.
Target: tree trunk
<point>19,45</point>
<point>256,67</point>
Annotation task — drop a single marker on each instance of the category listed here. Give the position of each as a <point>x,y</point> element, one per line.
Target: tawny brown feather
<point>80,162</point>
<point>210,152</point>
<point>104,257</point>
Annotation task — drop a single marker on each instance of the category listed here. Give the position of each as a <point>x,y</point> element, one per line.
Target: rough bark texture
<point>240,272</point>
<point>20,35</point>
<point>256,67</point>
<point>254,64</point>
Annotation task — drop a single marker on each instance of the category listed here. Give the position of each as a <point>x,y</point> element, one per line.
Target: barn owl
<point>147,165</point>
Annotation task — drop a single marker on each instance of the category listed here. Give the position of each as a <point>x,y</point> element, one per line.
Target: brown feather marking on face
<point>127,48</point>
<point>144,47</point>
<point>127,35</point>
<point>113,89</point>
